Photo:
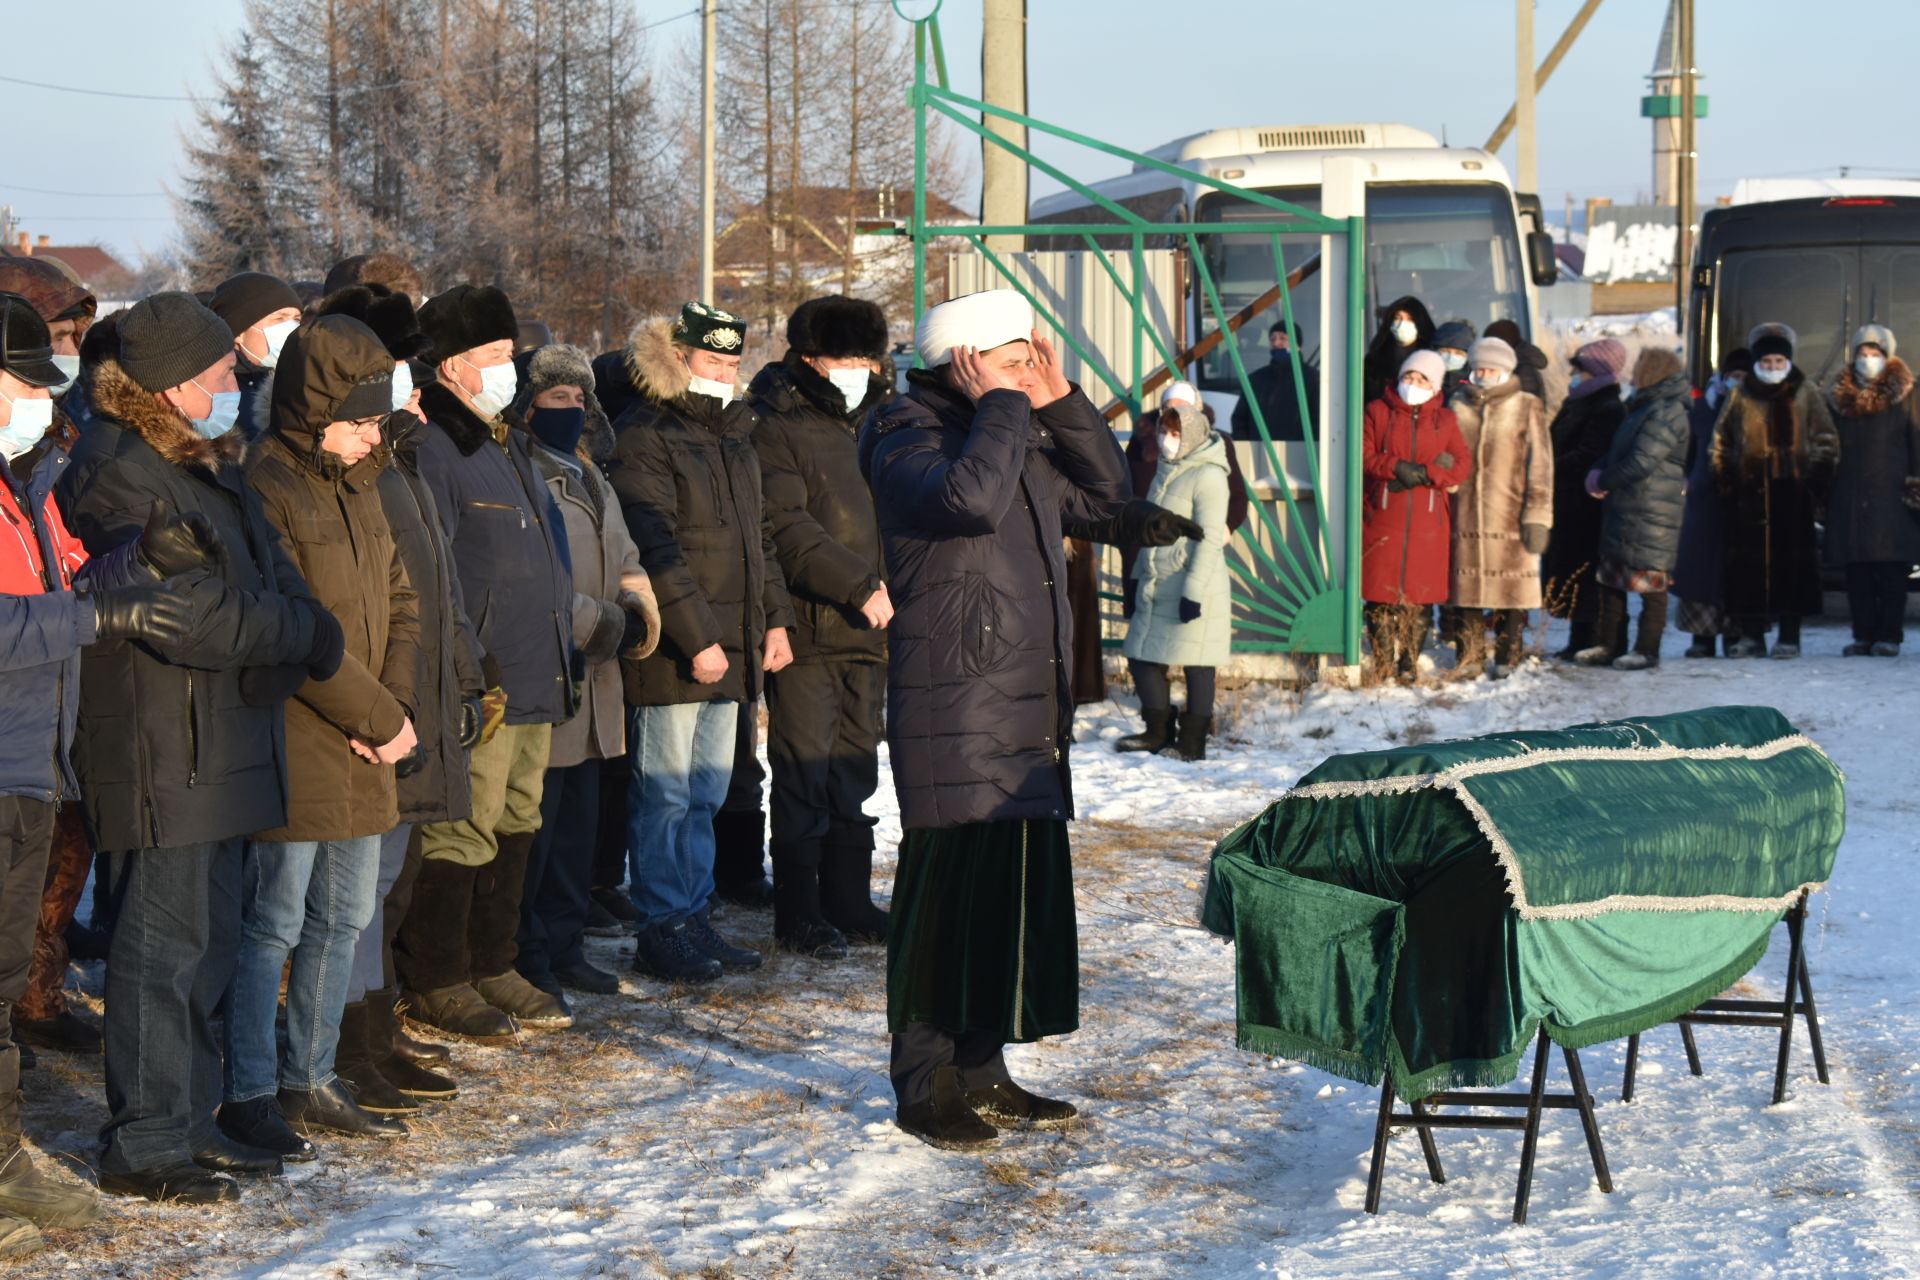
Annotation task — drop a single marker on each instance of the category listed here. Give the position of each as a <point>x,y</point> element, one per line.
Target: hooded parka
<point>332,522</point>
<point>169,752</point>
<point>973,499</point>
<point>1385,354</point>
<point>688,480</point>
<point>824,529</point>
<point>1505,429</point>
<point>1406,535</point>
<point>1879,429</point>
<point>1194,485</point>
<point>1774,452</point>
<point>1644,476</point>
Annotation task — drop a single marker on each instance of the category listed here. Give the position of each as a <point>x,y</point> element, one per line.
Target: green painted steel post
<point>919,172</point>
<point>1356,354</point>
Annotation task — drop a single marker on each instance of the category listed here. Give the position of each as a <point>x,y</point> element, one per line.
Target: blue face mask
<point>558,429</point>
<point>29,423</point>
<point>220,419</point>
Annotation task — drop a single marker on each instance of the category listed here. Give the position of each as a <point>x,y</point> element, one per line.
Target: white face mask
<point>69,367</point>
<point>852,384</point>
<point>1405,331</point>
<point>1773,376</point>
<point>24,429</point>
<point>402,385</point>
<point>497,385</point>
<point>721,391</point>
<point>1454,360</point>
<point>1414,395</point>
<point>1870,367</point>
<point>1490,377</point>
<point>1169,445</point>
<point>275,336</point>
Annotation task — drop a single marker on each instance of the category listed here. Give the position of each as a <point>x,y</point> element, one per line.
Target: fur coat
<point>1774,453</point>
<point>1505,429</point>
<point>1879,429</point>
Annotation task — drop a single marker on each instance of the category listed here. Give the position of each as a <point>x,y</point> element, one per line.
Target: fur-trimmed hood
<point>656,372</point>
<point>1851,400</point>
<point>115,395</point>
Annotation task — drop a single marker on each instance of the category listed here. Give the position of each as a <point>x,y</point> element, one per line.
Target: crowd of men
<point>361,647</point>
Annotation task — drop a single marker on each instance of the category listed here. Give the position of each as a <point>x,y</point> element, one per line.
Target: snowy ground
<point>742,1130</point>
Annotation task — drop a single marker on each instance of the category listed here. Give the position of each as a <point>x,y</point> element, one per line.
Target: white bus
<point>1443,224</point>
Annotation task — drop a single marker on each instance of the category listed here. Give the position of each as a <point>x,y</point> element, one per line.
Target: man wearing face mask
<point>181,749</point>
<point>689,485</point>
<point>262,311</point>
<point>63,302</point>
<point>456,950</point>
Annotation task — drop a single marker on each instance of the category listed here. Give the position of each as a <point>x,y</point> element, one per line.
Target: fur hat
<point>1455,335</point>
<point>837,327</point>
<point>1655,364</point>
<point>559,365</point>
<point>1603,358</point>
<point>1429,363</point>
<point>1771,344</point>
<point>1771,329</point>
<point>390,315</point>
<point>388,269</point>
<point>1492,353</point>
<point>245,299</point>
<point>1878,334</point>
<point>26,351</point>
<point>708,328</point>
<point>467,316</point>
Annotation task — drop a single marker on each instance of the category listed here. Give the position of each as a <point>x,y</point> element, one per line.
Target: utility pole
<point>707,12</point>
<point>1688,171</point>
<point>1527,169</point>
<point>1003,83</point>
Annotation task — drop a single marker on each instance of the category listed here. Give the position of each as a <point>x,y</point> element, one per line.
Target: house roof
<point>98,270</point>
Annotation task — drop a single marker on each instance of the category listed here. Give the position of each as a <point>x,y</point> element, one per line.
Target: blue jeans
<point>369,962</point>
<point>311,898</point>
<point>682,759</point>
<point>176,916</point>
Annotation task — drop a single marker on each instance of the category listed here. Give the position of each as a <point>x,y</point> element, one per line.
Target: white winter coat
<point>1193,485</point>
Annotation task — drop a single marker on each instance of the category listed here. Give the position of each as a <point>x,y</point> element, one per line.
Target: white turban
<point>979,320</point>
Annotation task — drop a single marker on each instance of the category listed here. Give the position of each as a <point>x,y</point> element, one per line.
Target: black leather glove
<point>1146,524</point>
<point>270,686</point>
<point>1189,609</point>
<point>1534,538</point>
<point>329,643</point>
<point>409,764</point>
<point>157,614</point>
<point>1411,475</point>
<point>172,545</point>
<point>472,716</point>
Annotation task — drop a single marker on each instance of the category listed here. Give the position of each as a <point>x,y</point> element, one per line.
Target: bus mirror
<point>1542,263</point>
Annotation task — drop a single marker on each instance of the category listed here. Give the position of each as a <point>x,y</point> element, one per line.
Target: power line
<point>85,195</point>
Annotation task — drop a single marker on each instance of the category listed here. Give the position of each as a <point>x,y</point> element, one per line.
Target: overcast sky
<point>1794,91</point>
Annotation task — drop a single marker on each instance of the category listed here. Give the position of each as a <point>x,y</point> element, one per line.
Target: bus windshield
<point>1453,245</point>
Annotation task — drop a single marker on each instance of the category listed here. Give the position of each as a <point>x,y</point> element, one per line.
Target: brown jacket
<point>334,526</point>
<point>1511,485</point>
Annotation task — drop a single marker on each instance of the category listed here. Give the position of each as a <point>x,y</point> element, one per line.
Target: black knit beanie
<point>169,339</point>
<point>243,300</point>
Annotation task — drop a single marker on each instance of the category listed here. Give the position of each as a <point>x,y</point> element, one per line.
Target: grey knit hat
<point>169,339</point>
<point>1878,334</point>
<point>1491,353</point>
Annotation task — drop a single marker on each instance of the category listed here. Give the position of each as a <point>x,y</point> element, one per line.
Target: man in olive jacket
<point>689,485</point>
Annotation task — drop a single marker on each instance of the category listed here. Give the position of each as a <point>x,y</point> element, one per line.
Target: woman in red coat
<point>1414,454</point>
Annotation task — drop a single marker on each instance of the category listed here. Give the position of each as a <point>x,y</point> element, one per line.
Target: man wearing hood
<point>262,311</point>
<point>181,750</point>
<point>978,472</point>
<point>823,725</point>
<point>689,485</point>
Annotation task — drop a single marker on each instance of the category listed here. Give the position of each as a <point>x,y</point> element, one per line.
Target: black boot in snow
<point>739,861</point>
<point>408,1076</point>
<point>1192,742</point>
<point>846,889</point>
<point>1007,1103</point>
<point>944,1119</point>
<point>798,924</point>
<point>1158,733</point>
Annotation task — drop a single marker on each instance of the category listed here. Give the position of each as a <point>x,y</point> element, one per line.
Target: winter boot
<point>665,951</point>
<point>798,924</point>
<point>421,1053</point>
<point>1192,742</point>
<point>846,888</point>
<point>64,1032</point>
<point>331,1109</point>
<point>463,1013</point>
<point>1596,656</point>
<point>1007,1103</point>
<point>404,1074</point>
<point>708,942</point>
<point>222,1154</point>
<point>493,921</point>
<point>1886,649</point>
<point>257,1123</point>
<point>531,1007</point>
<point>944,1119</point>
<point>1748,647</point>
<point>1158,733</point>
<point>24,1192</point>
<point>610,913</point>
<point>353,1063</point>
<point>1702,647</point>
<point>430,946</point>
<point>739,858</point>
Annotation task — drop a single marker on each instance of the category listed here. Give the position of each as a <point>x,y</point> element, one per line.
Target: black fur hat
<point>390,315</point>
<point>467,316</point>
<point>836,326</point>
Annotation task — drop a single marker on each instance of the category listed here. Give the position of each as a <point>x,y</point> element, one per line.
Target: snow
<point>744,1130</point>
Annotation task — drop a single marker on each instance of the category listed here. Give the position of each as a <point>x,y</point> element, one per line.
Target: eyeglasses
<point>368,426</point>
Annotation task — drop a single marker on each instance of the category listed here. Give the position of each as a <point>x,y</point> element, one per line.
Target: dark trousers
<point>743,788</point>
<point>1611,627</point>
<point>394,907</point>
<point>1754,627</point>
<point>1877,598</point>
<point>823,741</point>
<point>175,937</point>
<point>923,1049</point>
<point>553,912</point>
<point>610,835</point>
<point>1156,691</point>
<point>26,833</point>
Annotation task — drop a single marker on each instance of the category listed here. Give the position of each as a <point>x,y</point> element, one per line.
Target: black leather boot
<point>846,888</point>
<point>1007,1103</point>
<point>1157,734</point>
<point>1192,742</point>
<point>353,1063</point>
<point>331,1109</point>
<point>798,924</point>
<point>493,921</point>
<point>944,1119</point>
<point>257,1123</point>
<point>409,1077</point>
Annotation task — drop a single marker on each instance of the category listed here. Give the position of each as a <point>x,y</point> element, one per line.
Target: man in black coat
<point>688,479</point>
<point>977,473</point>
<point>181,749</point>
<point>456,948</point>
<point>823,712</point>
<point>1278,395</point>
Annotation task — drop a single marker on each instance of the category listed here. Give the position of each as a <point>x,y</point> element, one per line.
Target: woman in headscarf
<point>1873,524</point>
<point>1405,327</point>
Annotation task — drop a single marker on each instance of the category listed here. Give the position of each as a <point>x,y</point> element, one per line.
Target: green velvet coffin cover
<point>1422,910</point>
